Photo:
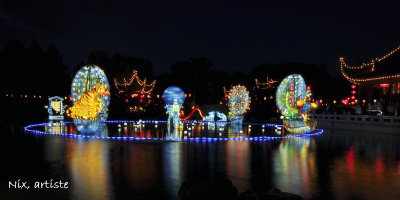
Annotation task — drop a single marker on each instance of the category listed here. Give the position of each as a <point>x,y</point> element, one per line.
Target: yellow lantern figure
<point>56,106</point>
<point>89,105</point>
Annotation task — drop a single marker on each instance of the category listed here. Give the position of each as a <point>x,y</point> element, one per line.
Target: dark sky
<point>236,35</point>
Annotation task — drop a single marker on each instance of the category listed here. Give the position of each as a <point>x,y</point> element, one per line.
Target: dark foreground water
<point>335,165</point>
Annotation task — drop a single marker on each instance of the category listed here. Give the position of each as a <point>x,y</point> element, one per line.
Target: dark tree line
<point>31,69</point>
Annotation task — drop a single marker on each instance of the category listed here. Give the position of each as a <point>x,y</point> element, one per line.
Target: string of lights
<point>123,86</point>
<point>373,61</point>
<point>358,81</point>
<point>32,129</point>
<point>266,85</point>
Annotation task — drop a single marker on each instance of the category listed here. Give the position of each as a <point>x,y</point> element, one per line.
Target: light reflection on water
<point>295,167</point>
<point>339,165</point>
<point>88,166</point>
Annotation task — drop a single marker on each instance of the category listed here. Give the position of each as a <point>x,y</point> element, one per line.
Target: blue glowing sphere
<point>174,93</point>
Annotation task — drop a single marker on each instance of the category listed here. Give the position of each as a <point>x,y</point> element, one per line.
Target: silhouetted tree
<point>31,70</point>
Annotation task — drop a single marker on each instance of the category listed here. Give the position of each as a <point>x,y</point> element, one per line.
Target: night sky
<point>236,35</point>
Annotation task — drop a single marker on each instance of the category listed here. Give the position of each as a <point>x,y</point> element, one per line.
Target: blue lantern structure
<point>56,108</point>
<point>174,98</point>
<point>215,116</point>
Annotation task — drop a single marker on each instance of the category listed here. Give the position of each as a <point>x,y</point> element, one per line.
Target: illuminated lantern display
<point>86,79</point>
<point>91,97</point>
<point>238,103</point>
<point>293,100</point>
<point>135,87</point>
<point>270,83</point>
<point>56,108</point>
<point>174,98</point>
<point>215,116</point>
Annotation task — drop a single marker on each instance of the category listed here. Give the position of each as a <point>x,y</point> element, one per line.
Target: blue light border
<point>259,138</point>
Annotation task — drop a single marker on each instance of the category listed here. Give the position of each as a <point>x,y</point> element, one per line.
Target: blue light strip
<point>257,138</point>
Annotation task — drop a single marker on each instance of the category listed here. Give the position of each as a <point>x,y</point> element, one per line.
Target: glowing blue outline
<point>256,138</point>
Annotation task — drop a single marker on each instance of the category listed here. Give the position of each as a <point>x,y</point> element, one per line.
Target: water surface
<point>336,165</point>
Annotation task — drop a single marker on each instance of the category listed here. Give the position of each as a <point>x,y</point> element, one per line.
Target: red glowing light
<point>353,97</point>
<point>126,100</point>
<point>384,85</point>
<point>364,101</point>
<point>352,103</point>
<point>353,86</point>
<point>353,92</point>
